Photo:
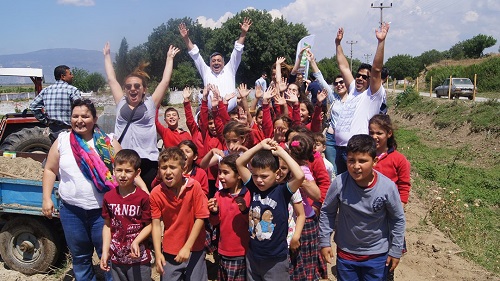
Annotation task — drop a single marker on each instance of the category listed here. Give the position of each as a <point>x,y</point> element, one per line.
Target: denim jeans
<point>83,233</point>
<point>341,159</point>
<point>370,270</point>
<point>330,151</point>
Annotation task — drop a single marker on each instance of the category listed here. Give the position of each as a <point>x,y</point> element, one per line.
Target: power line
<point>381,7</point>
<point>351,42</point>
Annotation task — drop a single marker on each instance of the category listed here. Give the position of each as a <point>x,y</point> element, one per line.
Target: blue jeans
<point>370,270</point>
<point>341,159</point>
<point>330,151</point>
<point>83,233</point>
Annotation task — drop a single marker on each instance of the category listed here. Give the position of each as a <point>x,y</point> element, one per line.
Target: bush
<point>407,97</point>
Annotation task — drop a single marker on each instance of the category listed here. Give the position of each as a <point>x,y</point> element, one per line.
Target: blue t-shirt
<point>268,220</point>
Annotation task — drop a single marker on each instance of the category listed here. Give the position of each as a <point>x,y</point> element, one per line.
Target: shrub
<point>407,97</point>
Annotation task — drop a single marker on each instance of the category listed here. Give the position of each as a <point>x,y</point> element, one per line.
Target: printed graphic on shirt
<point>261,226</point>
<point>378,204</point>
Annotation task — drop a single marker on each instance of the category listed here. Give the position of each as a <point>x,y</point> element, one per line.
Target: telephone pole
<point>367,57</point>
<point>381,7</point>
<point>351,42</point>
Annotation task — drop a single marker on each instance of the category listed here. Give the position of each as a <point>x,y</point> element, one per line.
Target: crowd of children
<point>253,186</point>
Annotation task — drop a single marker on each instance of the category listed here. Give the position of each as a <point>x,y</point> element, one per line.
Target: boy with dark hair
<point>172,135</point>
<point>127,222</point>
<point>267,257</point>
<point>370,226</point>
<point>182,205</point>
<point>320,147</point>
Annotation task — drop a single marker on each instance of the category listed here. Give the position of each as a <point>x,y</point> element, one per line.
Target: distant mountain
<point>48,59</point>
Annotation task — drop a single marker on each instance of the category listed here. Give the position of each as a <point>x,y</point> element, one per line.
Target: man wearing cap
<point>218,73</point>
<point>52,106</point>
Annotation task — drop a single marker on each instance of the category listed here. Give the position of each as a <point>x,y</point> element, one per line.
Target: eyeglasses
<point>136,86</point>
<point>365,77</point>
<point>338,82</point>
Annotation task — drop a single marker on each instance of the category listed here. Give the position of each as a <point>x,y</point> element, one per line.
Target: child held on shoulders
<point>127,222</point>
<point>229,210</point>
<point>370,224</point>
<point>267,257</point>
<point>182,206</point>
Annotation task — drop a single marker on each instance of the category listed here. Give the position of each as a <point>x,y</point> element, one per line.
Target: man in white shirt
<point>366,94</point>
<point>218,73</point>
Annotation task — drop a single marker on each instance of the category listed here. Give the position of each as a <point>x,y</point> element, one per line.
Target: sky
<point>416,25</point>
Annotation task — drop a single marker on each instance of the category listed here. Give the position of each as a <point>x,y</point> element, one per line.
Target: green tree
<point>474,47</point>
<point>80,79</point>
<point>185,74</point>
<point>401,66</point>
<point>428,58</point>
<point>122,68</point>
<point>95,81</point>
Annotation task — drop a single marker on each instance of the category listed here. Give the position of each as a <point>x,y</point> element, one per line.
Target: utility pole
<point>367,57</point>
<point>351,42</point>
<point>381,7</point>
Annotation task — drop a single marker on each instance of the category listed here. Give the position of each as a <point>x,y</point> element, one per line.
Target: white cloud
<point>470,16</point>
<point>77,2</point>
<point>210,23</point>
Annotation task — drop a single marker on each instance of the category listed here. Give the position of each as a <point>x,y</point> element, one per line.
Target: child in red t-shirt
<point>182,206</point>
<point>229,209</point>
<point>127,222</point>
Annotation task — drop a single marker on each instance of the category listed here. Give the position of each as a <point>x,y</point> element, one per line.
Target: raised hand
<point>183,30</point>
<point>279,99</point>
<point>270,92</point>
<point>242,89</point>
<point>258,92</point>
<point>228,97</point>
<point>280,60</point>
<point>283,84</point>
<point>382,32</point>
<point>340,35</point>
<point>106,50</point>
<point>172,51</point>
<point>186,94</point>
<point>206,92</point>
<point>292,98</point>
<point>321,96</point>
<point>245,25</point>
<point>310,56</point>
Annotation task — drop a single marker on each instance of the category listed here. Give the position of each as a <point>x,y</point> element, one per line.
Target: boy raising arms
<point>127,222</point>
<point>267,258</point>
<point>182,205</point>
<point>371,224</point>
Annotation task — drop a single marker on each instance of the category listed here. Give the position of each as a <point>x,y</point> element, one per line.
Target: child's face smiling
<point>172,119</point>
<point>171,173</point>
<point>264,178</point>
<point>125,174</point>
<point>360,167</point>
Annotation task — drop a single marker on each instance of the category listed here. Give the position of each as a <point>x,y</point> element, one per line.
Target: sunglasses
<point>338,82</point>
<point>365,77</point>
<point>136,86</point>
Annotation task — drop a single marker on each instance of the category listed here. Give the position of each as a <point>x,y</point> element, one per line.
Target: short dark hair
<point>362,143</point>
<point>87,103</point>
<point>190,144</point>
<point>129,156</point>
<point>319,137</point>
<point>265,159</point>
<point>172,153</point>
<point>384,73</point>
<point>365,66</point>
<point>60,71</point>
<point>170,109</point>
<point>230,160</point>
<point>216,54</point>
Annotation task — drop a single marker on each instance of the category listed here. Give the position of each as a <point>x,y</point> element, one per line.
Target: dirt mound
<point>21,168</point>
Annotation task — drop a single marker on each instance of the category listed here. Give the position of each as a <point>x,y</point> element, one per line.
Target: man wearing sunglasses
<point>366,94</point>
<point>218,73</point>
<point>52,106</point>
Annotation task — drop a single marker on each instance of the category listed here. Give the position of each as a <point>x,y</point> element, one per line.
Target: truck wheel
<point>27,140</point>
<point>28,246</point>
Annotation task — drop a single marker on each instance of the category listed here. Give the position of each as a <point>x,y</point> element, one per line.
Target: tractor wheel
<point>28,245</point>
<point>27,140</point>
